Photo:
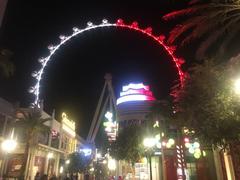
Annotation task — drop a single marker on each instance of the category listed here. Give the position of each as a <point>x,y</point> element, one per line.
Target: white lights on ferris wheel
<point>75,29</point>
<point>104,21</point>
<point>31,90</point>
<point>62,37</point>
<point>50,47</point>
<point>35,74</point>
<point>41,60</point>
<point>89,23</point>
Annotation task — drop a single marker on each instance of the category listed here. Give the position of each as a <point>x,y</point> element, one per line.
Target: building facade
<point>49,152</point>
<point>134,104</point>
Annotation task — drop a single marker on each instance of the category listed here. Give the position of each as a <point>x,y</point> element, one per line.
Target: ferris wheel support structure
<point>107,98</point>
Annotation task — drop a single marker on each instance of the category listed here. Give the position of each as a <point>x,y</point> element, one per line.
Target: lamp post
<point>149,143</point>
<point>8,146</point>
<point>237,86</point>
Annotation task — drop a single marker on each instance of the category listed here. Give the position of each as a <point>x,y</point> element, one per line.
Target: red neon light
<point>160,39</point>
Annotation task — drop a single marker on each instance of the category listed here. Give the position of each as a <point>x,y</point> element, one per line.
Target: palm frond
<point>180,29</point>
<point>209,23</point>
<point>213,37</point>
<point>42,121</point>
<point>227,39</point>
<point>201,51</point>
<point>184,12</point>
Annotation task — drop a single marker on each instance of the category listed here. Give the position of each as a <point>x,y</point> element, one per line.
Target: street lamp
<point>9,145</point>
<point>112,164</point>
<point>67,161</point>
<point>149,143</point>
<point>237,86</point>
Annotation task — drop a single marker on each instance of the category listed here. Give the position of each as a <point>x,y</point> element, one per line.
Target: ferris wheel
<point>38,75</point>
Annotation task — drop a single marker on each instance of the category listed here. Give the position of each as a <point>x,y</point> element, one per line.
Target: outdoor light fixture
<point>86,151</point>
<point>67,161</point>
<point>104,162</point>
<point>92,169</point>
<point>98,155</point>
<point>109,116</point>
<point>149,142</point>
<point>9,145</point>
<point>50,155</point>
<point>61,170</point>
<point>112,164</point>
<point>237,86</point>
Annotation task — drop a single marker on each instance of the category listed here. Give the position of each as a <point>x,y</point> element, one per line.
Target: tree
<point>128,145</point>
<point>32,123</point>
<point>208,105</point>
<point>215,24</point>
<point>78,162</point>
<point>6,66</point>
<point>162,111</point>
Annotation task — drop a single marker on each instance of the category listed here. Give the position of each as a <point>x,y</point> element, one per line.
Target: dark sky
<point>73,79</point>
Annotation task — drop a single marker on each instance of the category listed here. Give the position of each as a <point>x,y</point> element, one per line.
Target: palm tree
<point>32,124</point>
<point>215,25</point>
<point>6,66</point>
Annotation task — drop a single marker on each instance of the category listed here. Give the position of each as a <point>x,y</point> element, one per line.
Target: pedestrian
<point>37,176</point>
<point>54,177</point>
<point>120,178</point>
<point>44,177</point>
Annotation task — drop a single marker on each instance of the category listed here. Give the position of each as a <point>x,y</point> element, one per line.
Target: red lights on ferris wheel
<point>120,22</point>
<point>134,25</point>
<point>148,30</point>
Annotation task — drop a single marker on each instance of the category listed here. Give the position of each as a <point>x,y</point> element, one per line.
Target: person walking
<point>37,176</point>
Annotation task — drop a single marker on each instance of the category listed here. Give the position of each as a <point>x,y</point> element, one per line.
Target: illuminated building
<point>51,148</point>
<point>134,103</point>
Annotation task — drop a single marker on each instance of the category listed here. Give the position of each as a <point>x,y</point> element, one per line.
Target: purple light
<point>86,151</point>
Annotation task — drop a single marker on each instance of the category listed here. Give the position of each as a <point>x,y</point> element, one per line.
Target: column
<point>56,164</point>
<point>218,164</point>
<point>229,166</point>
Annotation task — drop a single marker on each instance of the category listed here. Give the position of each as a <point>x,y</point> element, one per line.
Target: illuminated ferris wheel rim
<point>90,26</point>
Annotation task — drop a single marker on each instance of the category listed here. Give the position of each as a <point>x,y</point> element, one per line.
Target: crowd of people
<point>54,177</point>
<point>71,177</point>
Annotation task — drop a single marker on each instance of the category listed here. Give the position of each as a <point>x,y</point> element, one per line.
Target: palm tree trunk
<point>25,160</point>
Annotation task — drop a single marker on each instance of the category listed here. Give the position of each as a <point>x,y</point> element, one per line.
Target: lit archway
<point>90,26</point>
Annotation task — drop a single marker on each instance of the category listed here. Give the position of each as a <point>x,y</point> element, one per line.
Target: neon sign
<point>68,125</point>
<point>110,127</point>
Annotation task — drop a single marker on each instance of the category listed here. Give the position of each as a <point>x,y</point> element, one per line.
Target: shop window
<point>65,142</point>
<point>191,171</point>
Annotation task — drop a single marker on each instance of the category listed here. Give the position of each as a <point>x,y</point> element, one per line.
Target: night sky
<point>74,78</point>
